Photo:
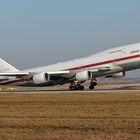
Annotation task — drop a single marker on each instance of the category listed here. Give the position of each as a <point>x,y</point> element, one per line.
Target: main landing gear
<point>92,84</point>
<point>78,86</point>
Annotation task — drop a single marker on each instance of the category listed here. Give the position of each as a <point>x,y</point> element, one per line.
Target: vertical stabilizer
<point>5,67</point>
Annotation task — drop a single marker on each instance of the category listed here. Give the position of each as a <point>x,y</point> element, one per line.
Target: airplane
<point>111,63</point>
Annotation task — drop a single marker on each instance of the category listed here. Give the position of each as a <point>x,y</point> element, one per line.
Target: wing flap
<point>20,74</point>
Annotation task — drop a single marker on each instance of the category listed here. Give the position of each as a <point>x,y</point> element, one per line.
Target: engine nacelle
<point>83,75</point>
<point>41,78</point>
<point>117,75</point>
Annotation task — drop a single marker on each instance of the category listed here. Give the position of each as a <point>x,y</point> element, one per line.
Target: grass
<point>99,116</point>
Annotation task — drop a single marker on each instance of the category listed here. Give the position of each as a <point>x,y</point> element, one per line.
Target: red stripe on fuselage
<point>105,62</point>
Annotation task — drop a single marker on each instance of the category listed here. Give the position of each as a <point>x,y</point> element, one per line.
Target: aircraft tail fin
<point>6,67</point>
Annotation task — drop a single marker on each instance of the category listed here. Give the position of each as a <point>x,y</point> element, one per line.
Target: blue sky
<point>40,32</point>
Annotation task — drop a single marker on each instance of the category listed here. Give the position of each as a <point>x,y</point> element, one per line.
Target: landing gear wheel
<point>95,83</point>
<point>92,84</point>
<point>91,87</point>
<point>82,88</point>
<point>77,86</point>
<point>71,88</point>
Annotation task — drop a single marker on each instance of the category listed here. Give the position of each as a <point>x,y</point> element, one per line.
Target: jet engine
<point>117,75</point>
<point>83,75</point>
<point>41,78</point>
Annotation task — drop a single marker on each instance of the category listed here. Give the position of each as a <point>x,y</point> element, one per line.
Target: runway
<point>102,88</point>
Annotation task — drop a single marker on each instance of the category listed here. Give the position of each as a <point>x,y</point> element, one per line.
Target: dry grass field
<point>96,116</point>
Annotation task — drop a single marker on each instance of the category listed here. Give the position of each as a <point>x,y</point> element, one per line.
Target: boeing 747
<point>110,63</point>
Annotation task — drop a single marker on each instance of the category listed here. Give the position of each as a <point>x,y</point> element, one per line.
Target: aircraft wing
<point>106,69</point>
<point>100,69</point>
<point>22,74</point>
<point>61,73</point>
<point>59,76</point>
<point>14,74</point>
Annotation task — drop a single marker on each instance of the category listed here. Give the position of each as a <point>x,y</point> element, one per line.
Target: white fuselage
<point>127,57</point>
